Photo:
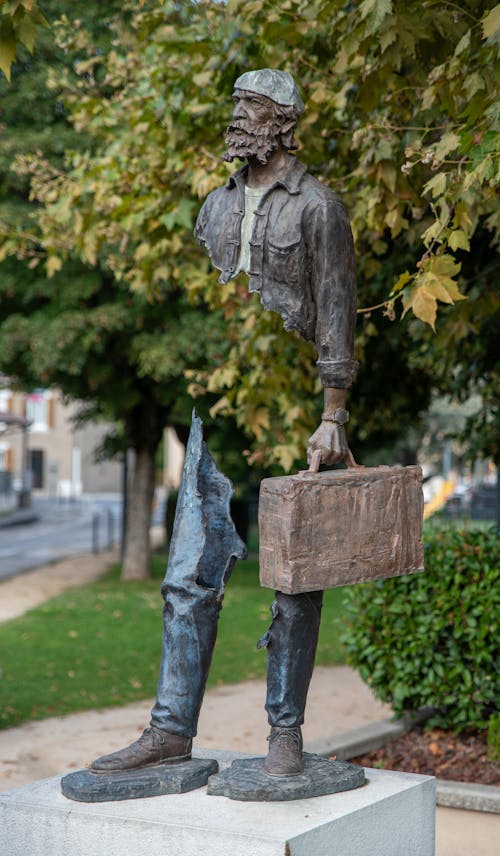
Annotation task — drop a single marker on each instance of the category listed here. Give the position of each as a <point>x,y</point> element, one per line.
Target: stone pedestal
<point>393,814</point>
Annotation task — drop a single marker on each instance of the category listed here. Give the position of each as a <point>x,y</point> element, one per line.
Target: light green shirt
<point>253,196</point>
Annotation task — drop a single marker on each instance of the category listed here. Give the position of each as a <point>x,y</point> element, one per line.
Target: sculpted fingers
<point>328,439</point>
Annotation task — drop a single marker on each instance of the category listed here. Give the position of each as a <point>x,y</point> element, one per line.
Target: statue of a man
<point>291,235</point>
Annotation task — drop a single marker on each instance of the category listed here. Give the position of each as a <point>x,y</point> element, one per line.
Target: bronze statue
<point>291,235</point>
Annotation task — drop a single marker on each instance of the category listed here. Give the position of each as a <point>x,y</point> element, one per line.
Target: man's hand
<point>330,438</point>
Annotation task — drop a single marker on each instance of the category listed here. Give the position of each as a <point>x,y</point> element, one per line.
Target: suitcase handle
<point>316,461</point>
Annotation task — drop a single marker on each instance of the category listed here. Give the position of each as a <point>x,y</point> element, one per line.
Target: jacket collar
<point>290,181</point>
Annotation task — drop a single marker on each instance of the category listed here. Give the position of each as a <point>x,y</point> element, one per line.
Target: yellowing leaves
<point>53,265</point>
<point>447,144</point>
<point>491,22</point>
<point>204,182</point>
<point>5,249</point>
<point>424,305</point>
<point>320,94</point>
<point>258,421</point>
<point>463,43</point>
<point>286,456</point>
<point>433,283</point>
<point>203,78</point>
<point>221,378</point>
<point>222,406</point>
<point>388,174</point>
<point>401,282</point>
<point>458,240</point>
<point>443,265</point>
<point>396,222</point>
<point>473,83</point>
<point>157,144</point>
<point>436,185</point>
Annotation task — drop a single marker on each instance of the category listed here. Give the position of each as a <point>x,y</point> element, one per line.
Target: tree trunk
<point>140,498</point>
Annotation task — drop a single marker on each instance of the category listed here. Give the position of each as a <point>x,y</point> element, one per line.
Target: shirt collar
<point>290,180</point>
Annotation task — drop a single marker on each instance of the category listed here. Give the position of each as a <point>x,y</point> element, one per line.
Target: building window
<point>40,410</point>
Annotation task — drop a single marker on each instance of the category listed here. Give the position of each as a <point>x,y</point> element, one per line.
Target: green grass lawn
<point>99,645</point>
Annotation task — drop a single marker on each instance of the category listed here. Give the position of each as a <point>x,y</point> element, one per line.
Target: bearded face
<point>245,140</point>
<point>258,127</point>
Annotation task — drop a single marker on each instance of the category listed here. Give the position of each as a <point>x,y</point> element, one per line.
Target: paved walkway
<point>32,588</point>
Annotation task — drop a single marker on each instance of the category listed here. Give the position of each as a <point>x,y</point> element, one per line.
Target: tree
<point>401,119</point>
<point>80,330</point>
<point>82,333</point>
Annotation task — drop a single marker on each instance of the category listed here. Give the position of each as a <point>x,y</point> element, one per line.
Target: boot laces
<point>157,736</point>
<point>286,737</point>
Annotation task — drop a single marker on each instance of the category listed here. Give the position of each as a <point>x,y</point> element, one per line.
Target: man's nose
<point>240,111</point>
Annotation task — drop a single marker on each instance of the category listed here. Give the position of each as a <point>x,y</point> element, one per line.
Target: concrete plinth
<point>393,814</point>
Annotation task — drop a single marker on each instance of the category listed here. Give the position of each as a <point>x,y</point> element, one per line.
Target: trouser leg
<point>203,551</point>
<point>291,648</point>
<point>189,631</point>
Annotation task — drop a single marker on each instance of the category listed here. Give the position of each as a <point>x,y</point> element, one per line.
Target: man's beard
<point>244,142</point>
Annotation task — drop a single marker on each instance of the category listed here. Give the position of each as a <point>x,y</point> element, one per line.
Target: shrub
<point>494,738</point>
<point>432,639</point>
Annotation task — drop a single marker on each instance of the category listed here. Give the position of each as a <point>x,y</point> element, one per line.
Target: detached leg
<point>203,551</point>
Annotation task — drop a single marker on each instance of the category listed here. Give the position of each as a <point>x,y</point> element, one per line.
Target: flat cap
<point>279,86</point>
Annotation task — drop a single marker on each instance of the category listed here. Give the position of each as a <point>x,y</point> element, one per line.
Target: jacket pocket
<point>284,261</point>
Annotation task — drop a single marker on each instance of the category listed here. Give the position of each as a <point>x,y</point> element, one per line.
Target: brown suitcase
<point>321,530</point>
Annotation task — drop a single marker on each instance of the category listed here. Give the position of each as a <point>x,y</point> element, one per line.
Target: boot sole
<point>176,760</point>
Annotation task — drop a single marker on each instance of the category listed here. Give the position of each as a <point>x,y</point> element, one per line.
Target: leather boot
<point>285,752</point>
<point>153,747</point>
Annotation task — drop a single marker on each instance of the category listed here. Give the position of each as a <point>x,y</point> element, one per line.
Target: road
<point>64,528</point>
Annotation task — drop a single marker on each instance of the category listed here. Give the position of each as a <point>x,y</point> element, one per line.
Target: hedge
<point>432,639</point>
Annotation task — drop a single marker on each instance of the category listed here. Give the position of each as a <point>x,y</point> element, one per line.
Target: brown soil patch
<point>459,758</point>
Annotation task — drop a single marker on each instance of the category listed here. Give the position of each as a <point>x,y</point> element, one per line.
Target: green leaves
<point>7,46</point>
<point>19,23</point>
<point>375,11</point>
<point>430,639</point>
<point>182,215</point>
<point>411,147</point>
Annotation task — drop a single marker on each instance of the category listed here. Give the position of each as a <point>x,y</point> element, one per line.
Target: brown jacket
<point>302,260</point>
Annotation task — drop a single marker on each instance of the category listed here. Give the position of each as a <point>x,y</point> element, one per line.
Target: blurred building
<point>43,452</point>
<point>55,458</point>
